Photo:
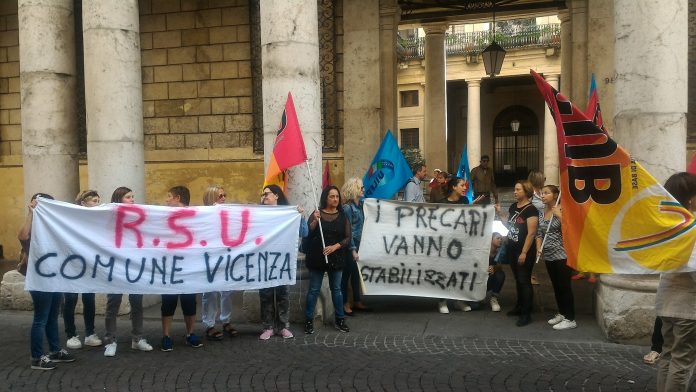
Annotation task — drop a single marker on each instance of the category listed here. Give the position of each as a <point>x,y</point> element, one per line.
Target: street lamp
<point>493,55</point>
<point>515,125</point>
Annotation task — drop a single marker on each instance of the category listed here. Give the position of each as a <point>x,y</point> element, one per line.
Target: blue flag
<point>388,172</point>
<point>465,173</point>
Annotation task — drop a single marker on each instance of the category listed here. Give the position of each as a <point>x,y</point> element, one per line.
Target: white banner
<point>426,250</point>
<point>140,249</point>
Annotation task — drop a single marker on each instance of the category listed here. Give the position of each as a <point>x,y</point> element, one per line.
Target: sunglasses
<point>222,195</point>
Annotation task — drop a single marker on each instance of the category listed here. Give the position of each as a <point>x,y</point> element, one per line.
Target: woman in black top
<point>337,235</point>
<point>522,222</point>
<point>456,192</point>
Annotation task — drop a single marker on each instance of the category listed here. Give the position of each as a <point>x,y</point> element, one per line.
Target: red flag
<point>692,166</point>
<point>288,149</point>
<point>326,177</point>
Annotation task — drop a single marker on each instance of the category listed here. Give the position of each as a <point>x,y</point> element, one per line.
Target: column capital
<point>551,77</point>
<point>435,28</point>
<point>473,83</point>
<point>564,16</point>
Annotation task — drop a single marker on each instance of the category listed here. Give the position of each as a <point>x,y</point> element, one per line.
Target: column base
<point>625,307</point>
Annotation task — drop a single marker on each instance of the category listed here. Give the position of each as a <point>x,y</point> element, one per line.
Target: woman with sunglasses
<point>215,301</point>
<point>275,301</point>
<point>88,198</point>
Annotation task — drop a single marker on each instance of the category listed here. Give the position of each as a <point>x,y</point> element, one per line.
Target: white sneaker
<point>141,345</point>
<point>442,307</point>
<point>565,324</point>
<point>495,306</point>
<point>93,340</point>
<point>463,306</point>
<point>74,343</point>
<point>110,350</point>
<point>556,319</point>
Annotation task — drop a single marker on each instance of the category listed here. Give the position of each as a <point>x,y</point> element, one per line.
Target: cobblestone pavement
<point>330,360</point>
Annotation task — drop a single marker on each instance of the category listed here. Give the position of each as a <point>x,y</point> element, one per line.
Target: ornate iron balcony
<point>545,36</point>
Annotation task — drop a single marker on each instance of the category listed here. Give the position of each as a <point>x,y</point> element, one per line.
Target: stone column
<point>550,139</point>
<point>473,122</point>
<point>650,101</point>
<point>389,16</point>
<point>290,63</point>
<point>435,97</point>
<point>362,82</point>
<point>47,77</point>
<point>566,53</point>
<point>113,97</point>
<point>580,83</point>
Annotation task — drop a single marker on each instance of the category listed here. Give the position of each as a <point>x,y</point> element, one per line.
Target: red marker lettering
<point>121,211</point>
<point>224,220</point>
<point>183,230</point>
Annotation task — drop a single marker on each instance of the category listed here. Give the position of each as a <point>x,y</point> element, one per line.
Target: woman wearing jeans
<point>46,307</point>
<point>352,191</point>
<point>88,198</point>
<point>337,236</point>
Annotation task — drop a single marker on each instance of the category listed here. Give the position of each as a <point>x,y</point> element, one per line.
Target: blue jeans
<point>315,279</point>
<point>46,308</point>
<point>350,272</point>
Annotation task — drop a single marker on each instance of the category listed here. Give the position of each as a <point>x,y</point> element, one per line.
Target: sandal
<point>229,331</point>
<point>213,334</point>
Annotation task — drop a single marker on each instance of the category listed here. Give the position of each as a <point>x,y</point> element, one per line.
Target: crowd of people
<point>331,242</point>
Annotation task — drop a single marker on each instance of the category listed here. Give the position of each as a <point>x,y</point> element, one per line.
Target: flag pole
<point>548,228</point>
<point>316,208</point>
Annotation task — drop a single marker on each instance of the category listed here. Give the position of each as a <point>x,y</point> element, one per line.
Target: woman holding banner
<point>215,301</point>
<point>352,193</point>
<point>275,301</point>
<point>335,232</point>
<point>549,235</point>
<point>88,198</point>
<point>113,301</point>
<point>522,222</point>
<point>676,306</point>
<point>46,307</point>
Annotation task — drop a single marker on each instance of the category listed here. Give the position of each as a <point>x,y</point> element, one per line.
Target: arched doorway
<point>515,153</point>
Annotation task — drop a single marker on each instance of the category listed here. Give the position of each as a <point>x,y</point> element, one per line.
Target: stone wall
<point>196,74</point>
<point>10,129</point>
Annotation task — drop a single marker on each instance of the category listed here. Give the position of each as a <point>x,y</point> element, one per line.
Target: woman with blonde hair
<point>215,301</point>
<point>353,192</point>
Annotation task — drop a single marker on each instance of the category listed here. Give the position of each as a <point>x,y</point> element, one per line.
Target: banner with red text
<point>426,250</point>
<point>140,249</point>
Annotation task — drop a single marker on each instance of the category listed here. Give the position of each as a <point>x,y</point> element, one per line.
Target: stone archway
<point>515,153</point>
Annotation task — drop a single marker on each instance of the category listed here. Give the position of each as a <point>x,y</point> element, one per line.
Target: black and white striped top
<point>553,247</point>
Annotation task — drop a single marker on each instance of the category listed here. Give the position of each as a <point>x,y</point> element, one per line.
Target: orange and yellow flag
<point>616,217</point>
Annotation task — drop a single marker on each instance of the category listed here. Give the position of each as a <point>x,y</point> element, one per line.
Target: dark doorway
<point>515,153</point>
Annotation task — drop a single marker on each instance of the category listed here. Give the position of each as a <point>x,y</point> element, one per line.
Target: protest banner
<point>426,250</point>
<point>139,249</point>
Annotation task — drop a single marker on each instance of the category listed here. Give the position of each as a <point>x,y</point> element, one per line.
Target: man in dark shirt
<point>484,182</point>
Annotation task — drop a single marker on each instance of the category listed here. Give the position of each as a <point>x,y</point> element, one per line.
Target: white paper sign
<point>426,250</point>
<point>139,249</point>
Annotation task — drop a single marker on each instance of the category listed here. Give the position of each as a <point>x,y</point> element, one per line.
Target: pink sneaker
<point>286,334</point>
<point>266,334</point>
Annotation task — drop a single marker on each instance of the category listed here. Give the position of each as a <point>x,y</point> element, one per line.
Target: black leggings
<point>523,278</point>
<point>188,304</point>
<point>657,339</point>
<point>560,275</point>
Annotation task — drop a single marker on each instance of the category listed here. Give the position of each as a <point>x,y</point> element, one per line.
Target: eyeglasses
<point>266,194</point>
<point>222,195</point>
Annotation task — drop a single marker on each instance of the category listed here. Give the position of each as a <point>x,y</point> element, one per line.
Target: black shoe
<point>523,320</point>
<point>43,363</point>
<point>309,327</point>
<point>61,356</point>
<point>341,325</point>
<point>514,312</point>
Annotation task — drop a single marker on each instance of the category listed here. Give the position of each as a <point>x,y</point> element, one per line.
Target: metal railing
<point>546,35</point>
